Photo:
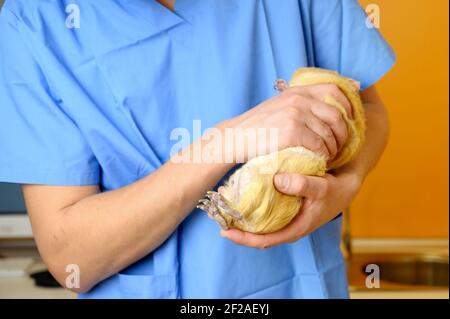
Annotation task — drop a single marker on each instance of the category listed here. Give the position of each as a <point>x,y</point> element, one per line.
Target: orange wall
<point>407,194</point>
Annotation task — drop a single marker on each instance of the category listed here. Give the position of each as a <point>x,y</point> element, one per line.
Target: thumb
<point>301,185</point>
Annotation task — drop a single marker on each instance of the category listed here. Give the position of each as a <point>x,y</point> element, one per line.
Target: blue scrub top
<point>96,105</point>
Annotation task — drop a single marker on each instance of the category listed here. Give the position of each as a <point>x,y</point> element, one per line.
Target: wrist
<point>234,141</point>
<point>353,176</point>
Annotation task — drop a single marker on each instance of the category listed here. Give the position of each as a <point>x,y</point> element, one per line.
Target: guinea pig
<point>249,200</point>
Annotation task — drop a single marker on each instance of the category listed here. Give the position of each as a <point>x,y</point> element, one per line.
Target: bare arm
<point>377,134</point>
<point>105,232</point>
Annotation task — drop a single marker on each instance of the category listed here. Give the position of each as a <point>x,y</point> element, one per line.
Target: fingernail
<point>281,182</point>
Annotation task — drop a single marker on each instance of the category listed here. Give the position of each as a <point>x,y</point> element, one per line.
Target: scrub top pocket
<point>148,286</point>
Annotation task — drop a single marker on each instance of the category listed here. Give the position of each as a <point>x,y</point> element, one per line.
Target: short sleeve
<point>39,143</point>
<point>345,42</point>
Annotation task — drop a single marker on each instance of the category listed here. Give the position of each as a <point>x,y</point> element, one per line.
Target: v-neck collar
<point>142,19</point>
<point>159,17</point>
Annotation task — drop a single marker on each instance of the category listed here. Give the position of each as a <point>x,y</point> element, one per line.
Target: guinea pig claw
<point>213,212</point>
<point>229,211</point>
<point>221,221</point>
<point>203,201</point>
<point>222,204</point>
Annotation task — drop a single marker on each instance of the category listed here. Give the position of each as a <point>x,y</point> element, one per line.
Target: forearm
<point>106,232</point>
<point>377,133</point>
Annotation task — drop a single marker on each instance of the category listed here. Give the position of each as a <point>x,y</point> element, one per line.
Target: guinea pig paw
<point>213,212</point>
<point>221,203</point>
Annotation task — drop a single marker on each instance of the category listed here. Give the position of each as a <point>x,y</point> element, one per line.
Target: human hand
<point>324,198</point>
<point>301,118</point>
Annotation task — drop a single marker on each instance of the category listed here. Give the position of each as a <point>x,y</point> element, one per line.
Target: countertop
<point>24,287</point>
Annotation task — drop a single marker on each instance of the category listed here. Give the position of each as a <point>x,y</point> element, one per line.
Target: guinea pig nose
<point>280,85</point>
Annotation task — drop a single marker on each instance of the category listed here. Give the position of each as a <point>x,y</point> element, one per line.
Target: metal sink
<point>423,271</point>
<point>400,271</point>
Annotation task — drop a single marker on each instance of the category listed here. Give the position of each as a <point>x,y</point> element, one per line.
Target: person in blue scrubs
<point>91,93</point>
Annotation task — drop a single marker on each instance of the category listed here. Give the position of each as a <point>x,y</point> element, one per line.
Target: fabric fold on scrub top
<point>98,104</point>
